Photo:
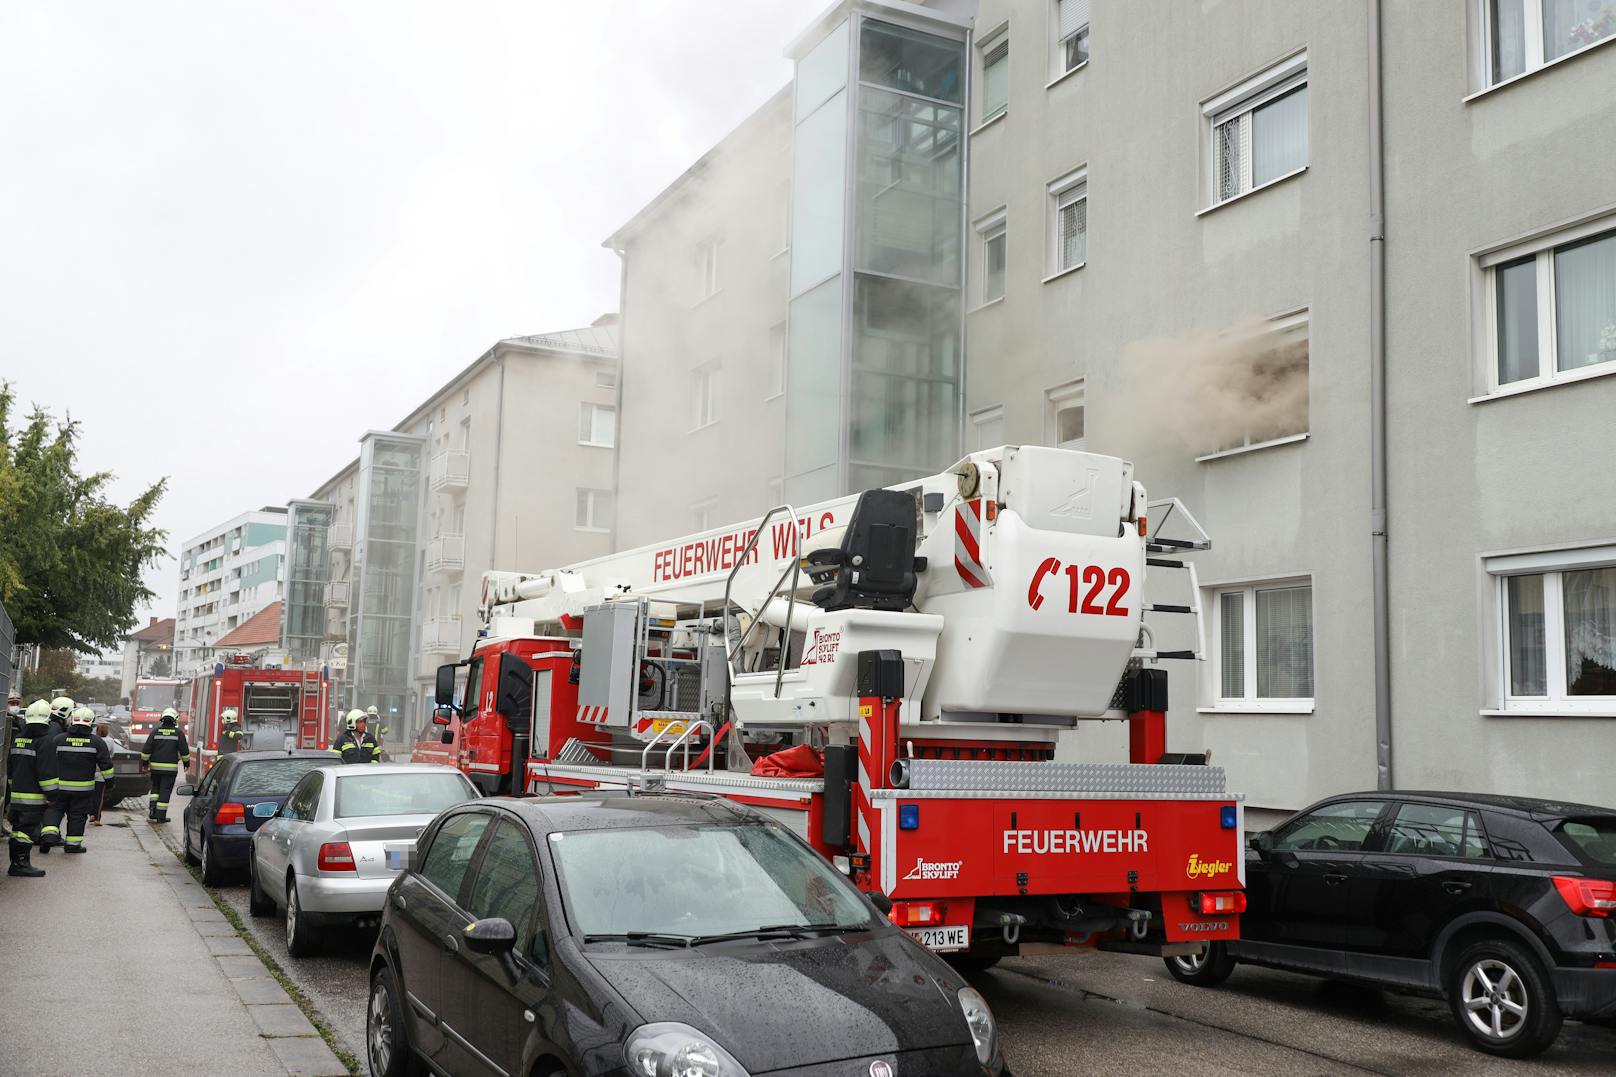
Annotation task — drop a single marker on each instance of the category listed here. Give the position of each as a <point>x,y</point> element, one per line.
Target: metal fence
<point>8,639</point>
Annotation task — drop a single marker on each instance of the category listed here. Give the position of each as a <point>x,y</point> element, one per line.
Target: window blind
<point>1073,16</point>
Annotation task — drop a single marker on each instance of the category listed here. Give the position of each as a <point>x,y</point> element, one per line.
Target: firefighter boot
<point>79,848</point>
<point>22,868</point>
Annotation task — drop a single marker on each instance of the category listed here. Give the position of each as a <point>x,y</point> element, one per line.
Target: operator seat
<point>875,566</point>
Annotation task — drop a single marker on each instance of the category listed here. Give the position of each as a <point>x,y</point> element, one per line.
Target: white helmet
<point>83,715</point>
<point>61,706</point>
<point>229,717</point>
<point>38,711</point>
<point>355,716</point>
<point>170,713</point>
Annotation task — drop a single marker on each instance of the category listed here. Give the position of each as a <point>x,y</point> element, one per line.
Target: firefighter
<point>373,726</point>
<point>82,760</point>
<point>231,735</point>
<point>166,752</point>
<point>356,745</point>
<point>61,711</point>
<point>31,777</point>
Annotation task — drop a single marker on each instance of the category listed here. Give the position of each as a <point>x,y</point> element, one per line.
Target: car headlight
<point>669,1049</point>
<point>980,1021</point>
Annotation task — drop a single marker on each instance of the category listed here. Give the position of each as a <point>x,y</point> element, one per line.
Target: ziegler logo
<point>1206,869</point>
<point>936,869</point>
<point>1205,925</point>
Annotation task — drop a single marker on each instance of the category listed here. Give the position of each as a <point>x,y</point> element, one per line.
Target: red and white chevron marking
<point>968,544</point>
<point>877,748</point>
<point>593,715</point>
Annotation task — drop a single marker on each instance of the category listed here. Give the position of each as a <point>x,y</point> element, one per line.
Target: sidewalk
<point>126,937</point>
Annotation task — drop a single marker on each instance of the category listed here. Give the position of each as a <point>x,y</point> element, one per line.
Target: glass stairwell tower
<point>876,330</point>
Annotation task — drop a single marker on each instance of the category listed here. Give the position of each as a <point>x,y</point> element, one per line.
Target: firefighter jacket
<point>230,740</point>
<point>31,767</point>
<point>80,757</point>
<point>166,749</point>
<point>357,746</point>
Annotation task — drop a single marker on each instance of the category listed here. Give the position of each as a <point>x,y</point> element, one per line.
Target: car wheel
<point>1206,967</point>
<point>259,903</point>
<point>1502,999</point>
<point>387,1042</point>
<point>303,939</point>
<point>185,843</point>
<point>212,873</point>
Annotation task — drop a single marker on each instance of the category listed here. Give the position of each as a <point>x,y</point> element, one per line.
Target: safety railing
<point>689,727</point>
<point>794,571</point>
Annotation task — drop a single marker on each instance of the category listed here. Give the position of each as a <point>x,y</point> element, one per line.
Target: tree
<point>70,560</point>
<point>161,666</point>
<point>57,672</point>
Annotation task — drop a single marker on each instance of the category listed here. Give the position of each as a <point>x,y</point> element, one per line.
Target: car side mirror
<point>491,936</point>
<point>185,791</point>
<point>448,736</point>
<point>1262,843</point>
<point>443,688</point>
<point>442,715</point>
<point>882,903</point>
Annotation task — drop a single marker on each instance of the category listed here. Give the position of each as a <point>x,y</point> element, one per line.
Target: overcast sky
<point>234,236</point>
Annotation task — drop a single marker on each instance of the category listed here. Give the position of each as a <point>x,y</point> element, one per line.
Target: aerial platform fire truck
<point>279,708</point>
<point>890,673</point>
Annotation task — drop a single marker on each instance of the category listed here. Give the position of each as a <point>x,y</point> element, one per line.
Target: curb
<point>281,1022</point>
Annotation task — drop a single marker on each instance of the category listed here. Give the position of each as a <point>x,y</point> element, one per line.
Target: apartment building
<point>507,466</point>
<point>227,574</point>
<point>147,652</point>
<point>1194,236</point>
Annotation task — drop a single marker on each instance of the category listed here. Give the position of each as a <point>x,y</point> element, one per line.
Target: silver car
<point>339,841</point>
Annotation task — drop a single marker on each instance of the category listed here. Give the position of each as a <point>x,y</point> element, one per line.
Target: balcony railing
<point>441,636</point>
<point>446,554</point>
<point>340,537</point>
<point>451,470</point>
<point>336,593</point>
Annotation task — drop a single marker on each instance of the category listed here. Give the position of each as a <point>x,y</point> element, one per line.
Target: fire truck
<point>891,674</point>
<point>279,708</point>
<point>149,698</point>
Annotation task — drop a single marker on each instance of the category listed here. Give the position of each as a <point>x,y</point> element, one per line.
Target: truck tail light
<point>230,814</point>
<point>916,913</point>
<point>1587,897</point>
<point>335,856</point>
<point>1219,904</point>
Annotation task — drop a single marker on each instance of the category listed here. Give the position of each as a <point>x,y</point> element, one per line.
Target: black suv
<point>1502,905</point>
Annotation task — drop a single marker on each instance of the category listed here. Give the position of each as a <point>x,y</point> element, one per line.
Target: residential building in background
<point>1167,252</point>
<point>227,574</point>
<point>99,665</point>
<point>147,652</point>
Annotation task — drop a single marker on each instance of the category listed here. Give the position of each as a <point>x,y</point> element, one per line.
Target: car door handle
<point>398,901</point>
<point>451,943</point>
<point>1454,886</point>
<point>1334,880</point>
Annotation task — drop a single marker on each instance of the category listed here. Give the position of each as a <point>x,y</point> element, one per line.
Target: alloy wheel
<point>291,914</point>
<point>1190,964</point>
<point>1495,999</point>
<point>381,1027</point>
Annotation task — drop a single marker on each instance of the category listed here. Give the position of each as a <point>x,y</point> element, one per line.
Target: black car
<point>128,779</point>
<point>1502,905</point>
<point>241,791</point>
<point>651,935</point>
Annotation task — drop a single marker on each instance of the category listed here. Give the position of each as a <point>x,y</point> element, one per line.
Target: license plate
<point>942,938</point>
<point>397,856</point>
<point>265,810</point>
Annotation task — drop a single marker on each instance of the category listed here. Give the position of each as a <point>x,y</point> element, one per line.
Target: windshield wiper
<point>782,931</point>
<point>642,938</point>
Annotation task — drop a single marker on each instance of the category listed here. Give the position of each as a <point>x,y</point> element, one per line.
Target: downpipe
<point>1377,409</point>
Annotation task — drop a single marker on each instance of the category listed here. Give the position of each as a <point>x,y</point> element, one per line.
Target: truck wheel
<point>303,939</point>
<point>1206,967</point>
<point>1502,999</point>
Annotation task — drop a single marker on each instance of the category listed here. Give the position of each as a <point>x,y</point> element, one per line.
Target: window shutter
<point>1285,643</point>
<point>1074,230</point>
<point>1074,15</point>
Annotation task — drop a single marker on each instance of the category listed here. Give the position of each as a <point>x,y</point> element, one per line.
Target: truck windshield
<point>366,795</point>
<point>157,697</point>
<point>694,881</point>
<point>1593,839</point>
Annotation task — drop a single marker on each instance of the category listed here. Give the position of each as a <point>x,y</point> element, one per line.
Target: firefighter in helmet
<point>82,759</point>
<point>356,745</point>
<point>373,724</point>
<point>61,709</point>
<point>230,736</point>
<point>30,778</point>
<point>165,753</point>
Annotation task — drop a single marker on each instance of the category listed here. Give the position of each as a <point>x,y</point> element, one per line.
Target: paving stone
<point>306,1056</point>
<point>209,915</point>
<point>233,946</point>
<point>214,929</point>
<point>281,1020</point>
<point>240,966</point>
<point>260,991</point>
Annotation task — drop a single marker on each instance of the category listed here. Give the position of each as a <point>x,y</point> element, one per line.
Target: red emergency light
<point>1231,901</point>
<point>917,913</point>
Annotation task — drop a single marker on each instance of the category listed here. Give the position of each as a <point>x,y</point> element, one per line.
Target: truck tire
<point>1208,967</point>
<point>1502,999</point>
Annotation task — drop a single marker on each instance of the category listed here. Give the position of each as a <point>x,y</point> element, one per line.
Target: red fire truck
<point>278,708</point>
<point>149,698</point>
<point>898,675</point>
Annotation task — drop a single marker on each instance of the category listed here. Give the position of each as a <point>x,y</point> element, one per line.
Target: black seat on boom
<point>874,569</point>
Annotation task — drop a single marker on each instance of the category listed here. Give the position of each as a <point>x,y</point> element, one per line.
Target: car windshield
<point>157,697</point>
<point>400,793</point>
<point>699,880</point>
<point>1593,839</point>
<point>273,777</point>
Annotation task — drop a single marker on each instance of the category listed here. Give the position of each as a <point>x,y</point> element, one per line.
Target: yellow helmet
<point>38,711</point>
<point>355,716</point>
<point>83,715</point>
<point>230,717</point>
<point>62,706</point>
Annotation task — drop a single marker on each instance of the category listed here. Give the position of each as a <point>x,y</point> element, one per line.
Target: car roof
<point>387,768</point>
<point>620,811</point>
<point>249,757</point>
<point>1536,807</point>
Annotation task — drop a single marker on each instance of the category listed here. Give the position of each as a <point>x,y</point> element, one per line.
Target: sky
<point>235,236</point>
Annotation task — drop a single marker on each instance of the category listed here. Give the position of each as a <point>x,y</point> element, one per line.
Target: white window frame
<point>591,409</point>
<point>777,361</point>
<point>592,523</point>
<point>1057,57</point>
<point>704,396</point>
<point>1540,247</point>
<point>1058,398</point>
<point>709,268</point>
<point>989,228</point>
<point>1242,99</point>
<point>704,515</point>
<point>1278,324</point>
<point>980,418</point>
<point>1060,192</point>
<point>1550,565</point>
<point>985,50</point>
<point>605,379</point>
<point>1533,60</point>
<point>1251,703</point>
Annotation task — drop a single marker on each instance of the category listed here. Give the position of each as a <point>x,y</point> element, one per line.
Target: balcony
<point>446,554</point>
<point>340,537</point>
<point>451,470</point>
<point>336,594</point>
<point>441,636</point>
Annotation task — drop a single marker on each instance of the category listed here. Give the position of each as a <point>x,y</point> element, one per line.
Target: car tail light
<point>916,913</point>
<point>335,856</point>
<point>1219,904</point>
<point>1587,897</point>
<point>229,814</point>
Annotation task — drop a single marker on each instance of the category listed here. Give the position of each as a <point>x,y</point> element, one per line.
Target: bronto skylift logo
<point>933,869</point>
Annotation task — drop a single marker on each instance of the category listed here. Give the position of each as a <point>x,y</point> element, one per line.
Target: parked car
<point>128,779</point>
<point>240,792</point>
<point>343,836</point>
<point>1502,905</point>
<point>653,934</point>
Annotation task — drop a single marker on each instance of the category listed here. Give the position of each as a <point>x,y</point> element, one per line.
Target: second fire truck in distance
<point>279,708</point>
<point>891,674</point>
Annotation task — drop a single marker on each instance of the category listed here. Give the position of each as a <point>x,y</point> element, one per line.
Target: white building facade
<point>227,574</point>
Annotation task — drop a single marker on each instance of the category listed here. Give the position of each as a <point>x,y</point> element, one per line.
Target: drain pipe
<point>1377,408</point>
